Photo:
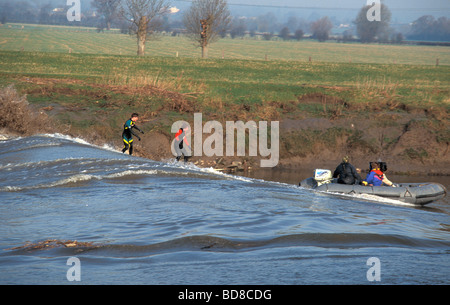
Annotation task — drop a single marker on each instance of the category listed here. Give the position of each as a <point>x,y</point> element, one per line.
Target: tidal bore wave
<point>133,220</point>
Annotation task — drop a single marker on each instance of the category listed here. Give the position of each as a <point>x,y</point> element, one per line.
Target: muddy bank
<point>156,146</point>
<point>412,142</point>
<point>408,156</point>
<point>403,158</point>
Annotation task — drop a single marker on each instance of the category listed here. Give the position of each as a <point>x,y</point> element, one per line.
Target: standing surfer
<point>127,134</point>
<point>181,144</point>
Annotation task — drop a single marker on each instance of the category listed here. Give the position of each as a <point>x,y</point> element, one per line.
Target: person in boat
<point>127,134</point>
<point>346,173</point>
<point>181,144</point>
<point>376,176</point>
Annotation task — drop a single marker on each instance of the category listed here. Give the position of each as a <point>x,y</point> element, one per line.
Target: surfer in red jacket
<point>181,144</point>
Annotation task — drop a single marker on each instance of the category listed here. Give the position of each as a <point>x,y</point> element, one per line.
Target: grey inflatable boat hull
<point>413,193</point>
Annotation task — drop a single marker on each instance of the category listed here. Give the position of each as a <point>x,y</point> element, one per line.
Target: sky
<point>349,4</point>
<point>442,5</point>
<point>403,11</point>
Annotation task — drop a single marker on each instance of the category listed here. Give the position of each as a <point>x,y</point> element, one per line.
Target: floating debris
<point>53,243</point>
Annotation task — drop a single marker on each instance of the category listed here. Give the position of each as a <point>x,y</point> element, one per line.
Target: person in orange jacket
<point>376,176</point>
<point>181,144</point>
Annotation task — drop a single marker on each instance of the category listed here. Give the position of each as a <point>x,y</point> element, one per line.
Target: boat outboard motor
<point>323,176</point>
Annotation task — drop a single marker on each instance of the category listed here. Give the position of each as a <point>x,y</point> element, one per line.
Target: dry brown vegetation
<point>16,115</point>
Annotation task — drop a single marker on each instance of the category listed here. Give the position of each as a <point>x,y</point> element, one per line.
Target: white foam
<point>74,179</point>
<point>130,173</point>
<point>369,197</point>
<point>170,163</point>
<point>382,199</point>
<point>68,180</point>
<point>80,141</point>
<point>208,170</point>
<point>6,137</point>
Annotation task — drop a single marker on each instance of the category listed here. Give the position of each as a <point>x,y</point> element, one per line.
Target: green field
<point>242,77</point>
<point>239,81</point>
<point>86,40</point>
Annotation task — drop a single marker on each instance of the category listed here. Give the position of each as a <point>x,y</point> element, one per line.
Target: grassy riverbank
<point>399,112</point>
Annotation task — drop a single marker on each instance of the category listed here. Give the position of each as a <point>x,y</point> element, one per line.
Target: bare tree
<point>238,28</point>
<point>205,21</point>
<point>284,33</point>
<point>321,28</point>
<point>108,9</point>
<point>299,34</point>
<point>142,14</point>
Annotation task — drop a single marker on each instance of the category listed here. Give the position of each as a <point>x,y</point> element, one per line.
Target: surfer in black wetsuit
<point>127,134</point>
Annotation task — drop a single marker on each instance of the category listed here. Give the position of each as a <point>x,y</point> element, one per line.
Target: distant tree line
<point>426,28</point>
<point>430,29</point>
<point>104,14</point>
<point>27,11</point>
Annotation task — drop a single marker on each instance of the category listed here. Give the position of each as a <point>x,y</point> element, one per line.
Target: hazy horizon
<point>403,11</point>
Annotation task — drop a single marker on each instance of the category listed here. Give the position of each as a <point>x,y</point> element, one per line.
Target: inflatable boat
<point>413,193</point>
